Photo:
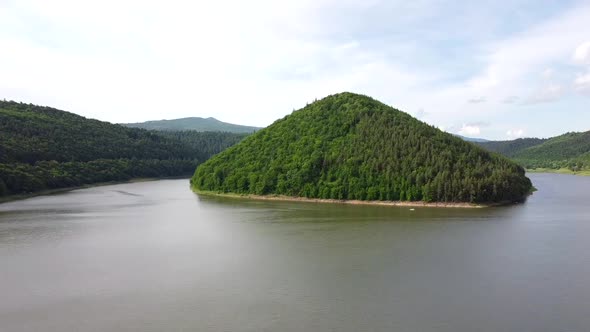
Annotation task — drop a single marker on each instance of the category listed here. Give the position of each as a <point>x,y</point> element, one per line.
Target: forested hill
<point>352,147</point>
<point>194,123</point>
<point>570,150</point>
<point>511,148</point>
<point>45,148</point>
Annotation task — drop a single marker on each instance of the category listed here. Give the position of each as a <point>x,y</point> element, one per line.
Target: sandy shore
<point>352,202</point>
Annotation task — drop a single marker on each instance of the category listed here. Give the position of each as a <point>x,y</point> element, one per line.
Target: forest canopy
<point>352,147</point>
<point>570,150</point>
<point>45,148</point>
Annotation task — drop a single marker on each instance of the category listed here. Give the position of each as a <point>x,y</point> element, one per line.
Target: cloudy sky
<point>496,70</point>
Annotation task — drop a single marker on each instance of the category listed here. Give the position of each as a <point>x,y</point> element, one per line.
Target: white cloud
<point>511,66</point>
<point>510,99</point>
<point>477,100</point>
<point>469,130</point>
<point>262,58</point>
<point>546,94</point>
<point>253,62</point>
<point>582,53</point>
<point>548,73</point>
<point>582,80</point>
<point>515,133</point>
<point>582,83</point>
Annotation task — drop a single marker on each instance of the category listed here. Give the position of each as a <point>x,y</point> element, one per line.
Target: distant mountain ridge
<point>472,139</point>
<point>193,123</point>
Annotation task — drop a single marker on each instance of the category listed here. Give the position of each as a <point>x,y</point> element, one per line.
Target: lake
<point>153,256</point>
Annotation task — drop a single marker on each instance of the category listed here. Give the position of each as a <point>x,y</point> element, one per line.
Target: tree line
<point>45,148</point>
<point>570,150</point>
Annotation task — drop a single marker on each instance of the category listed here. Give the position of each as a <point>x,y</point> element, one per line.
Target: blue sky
<point>496,70</point>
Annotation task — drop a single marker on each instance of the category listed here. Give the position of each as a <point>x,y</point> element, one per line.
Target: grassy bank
<point>559,171</point>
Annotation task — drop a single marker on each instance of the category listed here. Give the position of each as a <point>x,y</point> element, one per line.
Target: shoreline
<point>281,198</point>
<point>49,192</point>
<point>558,171</point>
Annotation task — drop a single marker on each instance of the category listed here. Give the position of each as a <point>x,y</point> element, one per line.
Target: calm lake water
<point>154,256</point>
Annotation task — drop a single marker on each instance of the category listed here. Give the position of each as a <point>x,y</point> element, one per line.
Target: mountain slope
<point>570,150</point>
<point>45,148</point>
<point>349,146</point>
<point>566,146</point>
<point>194,123</point>
<point>511,148</point>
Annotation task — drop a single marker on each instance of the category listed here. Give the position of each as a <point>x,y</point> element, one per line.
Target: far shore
<point>55,191</point>
<point>351,202</point>
<point>559,171</point>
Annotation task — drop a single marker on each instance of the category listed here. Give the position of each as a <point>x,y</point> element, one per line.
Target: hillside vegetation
<point>194,123</point>
<point>510,148</point>
<point>45,148</point>
<point>568,151</point>
<point>352,147</point>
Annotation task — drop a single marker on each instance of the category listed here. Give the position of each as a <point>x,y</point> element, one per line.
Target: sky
<point>492,69</point>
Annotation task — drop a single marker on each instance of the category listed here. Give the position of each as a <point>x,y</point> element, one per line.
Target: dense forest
<point>45,148</point>
<point>194,123</point>
<point>570,150</point>
<point>352,147</point>
<point>510,148</point>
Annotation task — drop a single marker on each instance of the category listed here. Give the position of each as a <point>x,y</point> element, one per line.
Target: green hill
<point>566,146</point>
<point>570,150</point>
<point>510,148</point>
<point>194,123</point>
<point>352,147</point>
<point>45,148</point>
